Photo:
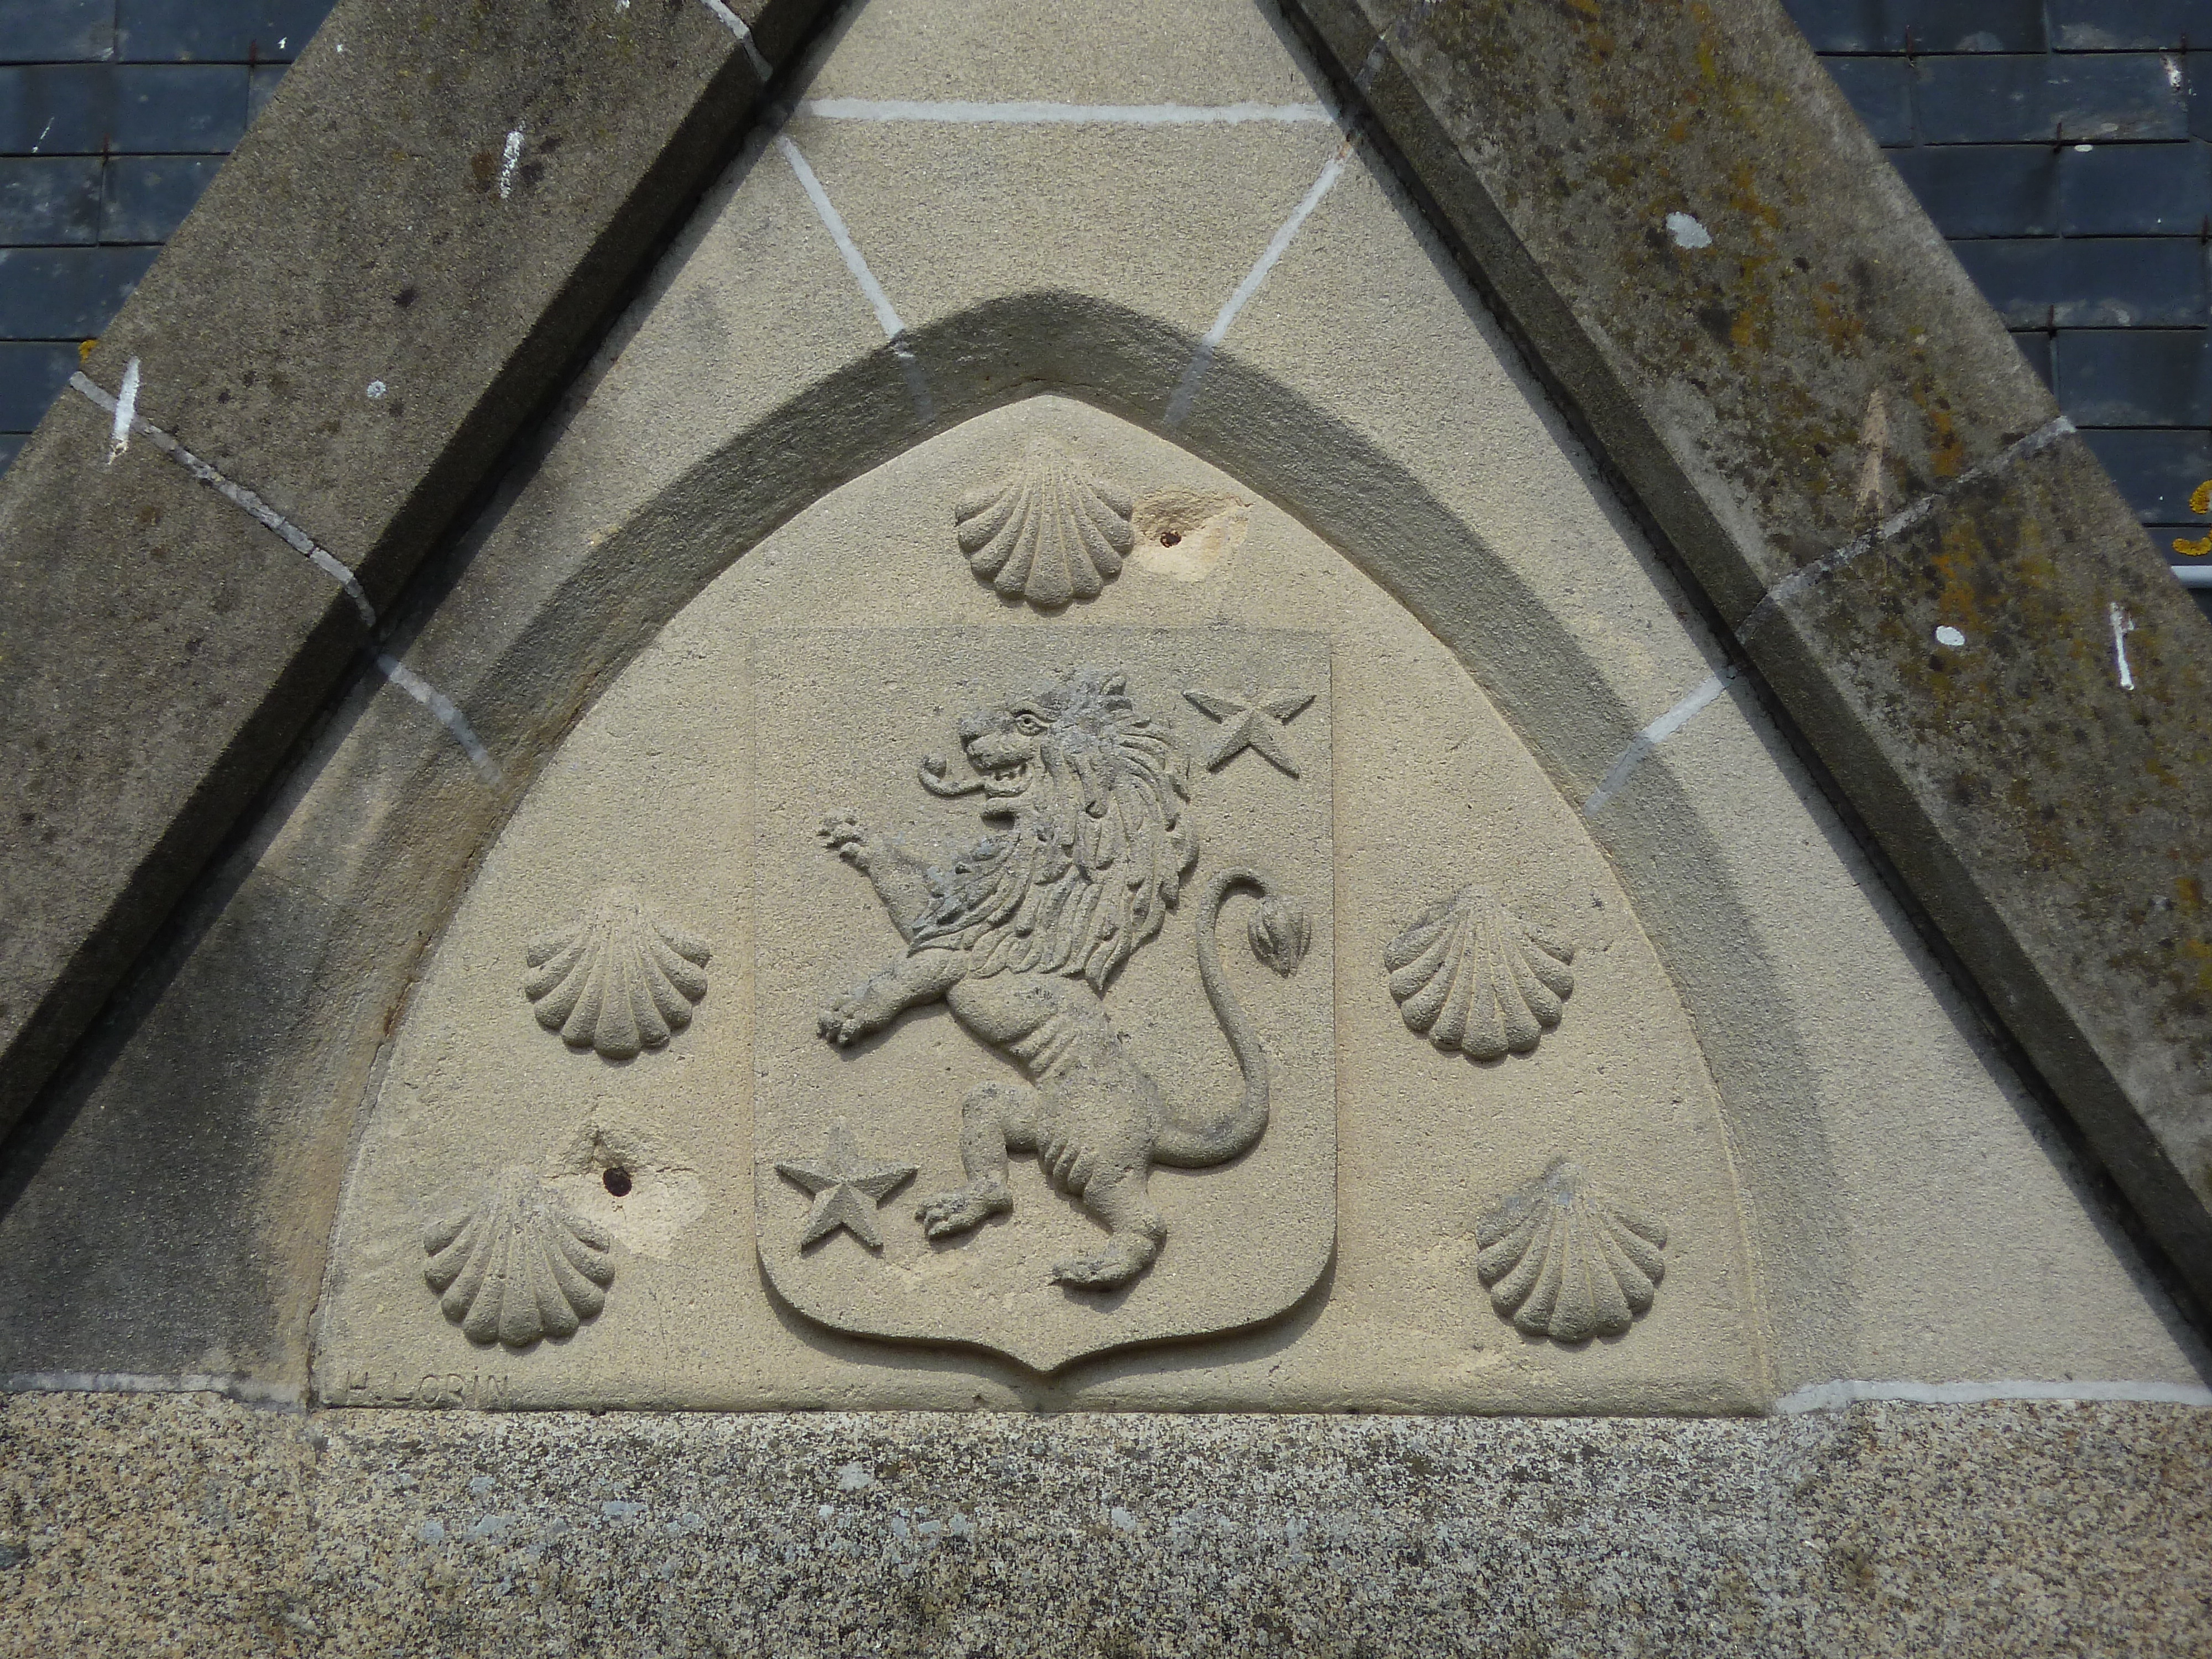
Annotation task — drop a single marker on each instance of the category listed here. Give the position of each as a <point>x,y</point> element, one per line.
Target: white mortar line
<point>127,409</point>
<point>1030,111</point>
<point>237,494</point>
<point>2123,625</point>
<point>736,25</point>
<point>508,160</point>
<point>400,675</point>
<point>246,1389</point>
<point>1829,1396</point>
<point>1894,525</point>
<point>448,715</point>
<point>1770,604</point>
<point>886,317</point>
<point>2192,575</point>
<point>1657,733</point>
<point>1186,391</point>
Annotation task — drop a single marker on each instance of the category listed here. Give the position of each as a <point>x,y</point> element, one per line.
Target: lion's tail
<point>1190,1146</point>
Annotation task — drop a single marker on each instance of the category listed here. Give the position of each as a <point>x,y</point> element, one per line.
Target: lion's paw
<point>1121,1260</point>
<point>843,834</point>
<point>840,1023</point>
<point>956,1211</point>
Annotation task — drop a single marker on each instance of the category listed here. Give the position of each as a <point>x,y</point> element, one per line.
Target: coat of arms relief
<point>1132,848</point>
<point>861,992</point>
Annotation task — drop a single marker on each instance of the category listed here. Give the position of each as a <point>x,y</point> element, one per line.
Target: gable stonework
<point>1699,247</point>
<point>1174,717</point>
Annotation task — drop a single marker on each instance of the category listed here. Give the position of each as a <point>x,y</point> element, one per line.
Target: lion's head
<point>1096,838</point>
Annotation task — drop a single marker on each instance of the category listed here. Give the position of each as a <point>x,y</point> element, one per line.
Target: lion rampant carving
<point>1020,938</point>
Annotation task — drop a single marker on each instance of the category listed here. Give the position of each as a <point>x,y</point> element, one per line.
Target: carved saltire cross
<point>1254,723</point>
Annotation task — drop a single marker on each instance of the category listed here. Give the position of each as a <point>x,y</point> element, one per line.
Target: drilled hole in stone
<point>1183,534</point>
<point>616,1181</point>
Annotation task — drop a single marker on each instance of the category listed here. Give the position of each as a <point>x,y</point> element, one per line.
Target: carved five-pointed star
<point>847,1189</point>
<point>1255,723</point>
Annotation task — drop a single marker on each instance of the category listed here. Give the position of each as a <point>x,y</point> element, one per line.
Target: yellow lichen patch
<point>1957,557</point>
<point>1745,199</point>
<point>1947,455</point>
<point>2200,503</point>
<point>2203,952</point>
<point>1840,325</point>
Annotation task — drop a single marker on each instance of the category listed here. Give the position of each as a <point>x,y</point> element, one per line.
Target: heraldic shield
<point>1044,1032</point>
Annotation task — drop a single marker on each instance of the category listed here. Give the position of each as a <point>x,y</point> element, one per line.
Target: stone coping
<point>1705,257</point>
<point>383,286</point>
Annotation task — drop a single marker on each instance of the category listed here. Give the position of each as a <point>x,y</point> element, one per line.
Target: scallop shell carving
<point>618,980</point>
<point>519,1264</point>
<point>1050,532</point>
<point>1472,976</point>
<point>1564,1259</point>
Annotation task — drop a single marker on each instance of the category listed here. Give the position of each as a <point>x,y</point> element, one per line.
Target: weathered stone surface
<point>192,1527</point>
<point>156,651</point>
<point>1775,351</point>
<point>1910,1212</point>
<point>775,728</point>
<point>368,303</point>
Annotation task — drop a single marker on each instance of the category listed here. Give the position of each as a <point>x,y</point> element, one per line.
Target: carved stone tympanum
<point>1048,963</point>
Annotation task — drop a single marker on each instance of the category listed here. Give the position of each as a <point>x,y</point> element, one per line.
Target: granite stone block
<point>1984,190</point>
<point>2135,190</point>
<point>32,374</point>
<point>2134,377</point>
<point>2019,99</point>
<point>56,109</point>
<point>1880,90</point>
<point>2117,283</point>
<point>195,1527</point>
<point>146,198</point>
<point>2157,470</point>
<point>179,108</point>
<point>65,293</point>
<point>2128,25</point>
<point>49,201</point>
<point>57,31</point>
<point>216,31</point>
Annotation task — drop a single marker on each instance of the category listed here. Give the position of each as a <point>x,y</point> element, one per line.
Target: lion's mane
<point>1096,854</point>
